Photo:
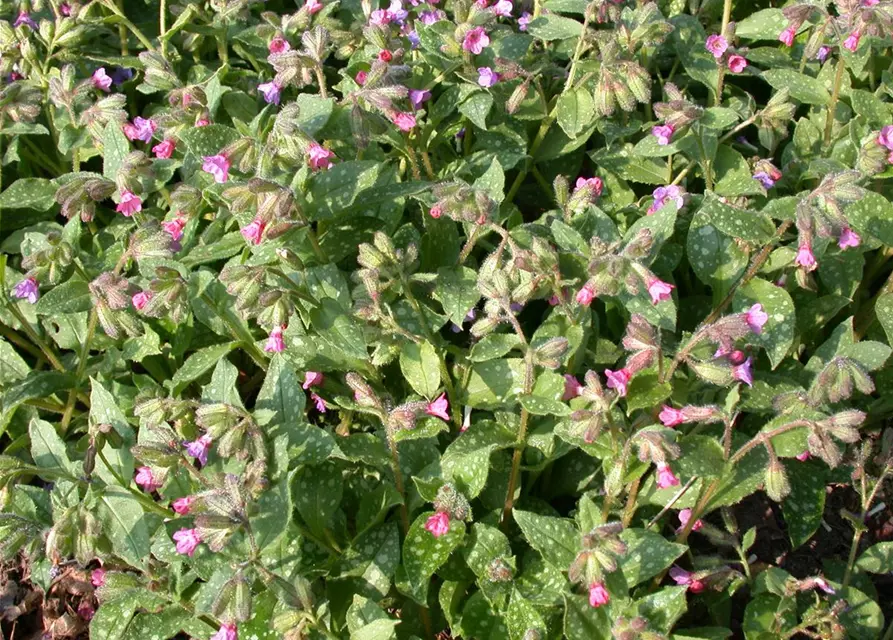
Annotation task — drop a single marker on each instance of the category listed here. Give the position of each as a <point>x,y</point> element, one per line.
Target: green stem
<point>82,366</point>
<point>726,16</point>
<point>125,21</point>
<point>240,334</point>
<point>140,497</point>
<point>162,27</point>
<point>835,95</point>
<point>321,79</point>
<point>534,147</point>
<point>578,51</point>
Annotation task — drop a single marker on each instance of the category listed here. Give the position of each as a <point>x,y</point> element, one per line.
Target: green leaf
<point>557,539</point>
<point>870,354</point>
<point>732,174</point>
<point>762,25</point>
<point>663,608</point>
<point>466,460</point>
<point>645,392</point>
<point>423,554</point>
<point>367,621</point>
<point>199,363</point>
<point>222,387</point>
<point>700,456</point>
<point>333,191</point>
<point>69,297</point>
<point>576,110</point>
<point>104,410</point>
<point>479,620</point>
<point>804,507</point>
<point>208,140</point>
<point>877,558</point>
<point>806,89</point>
<point>716,258</point>
<point>47,448</point>
<point>647,555</point>
<point>314,112</point>
<point>112,618</point>
<point>124,522</point>
<point>37,384</point>
<point>12,366</point>
<point>114,147</point>
<point>421,368</point>
<point>29,193</point>
<point>282,393</point>
<point>317,495</point>
<point>485,545</point>
<point>521,616</point>
<point>872,109</point>
<point>777,335</point>
<point>749,226</point>
<point>476,107</point>
<point>862,616</point>
<point>493,382</point>
<point>583,621</point>
<point>553,27</point>
<point>339,328</point>
<point>872,215</point>
<point>629,166</point>
<point>272,516</point>
<point>494,345</point>
<point>373,557</point>
<point>457,290</point>
<point>493,181</point>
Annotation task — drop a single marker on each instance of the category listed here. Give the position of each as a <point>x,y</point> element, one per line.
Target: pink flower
<point>523,21</point>
<point>787,36</point>
<point>318,157</point>
<point>503,8</point>
<point>380,17</point>
<point>659,290</point>
<point>682,577</point>
<point>271,91</point>
<point>717,45</point>
<point>848,238</point>
<point>487,77</point>
<point>885,137</point>
<point>404,120</point>
<point>852,41</point>
<point>663,133</point>
<point>572,387</point>
<point>182,505</point>
<point>438,524</point>
<point>130,203</point>
<point>101,80</point>
<point>26,19</point>
<point>217,166</point>
<point>684,517</point>
<point>202,122</point>
<point>254,231</point>
<point>86,610</point>
<point>141,129</point>
<point>313,6</point>
<point>97,578</point>
<point>744,372</point>
<point>665,476</point>
<point>27,289</point>
<point>476,40</point>
<point>737,64</point>
<point>803,456</point>
<point>164,149</point>
<point>417,97</point>
<point>312,379</point>
<point>598,595</point>
<point>586,295</point>
<point>279,45</point>
<point>226,632</point>
<point>187,542</point>
<point>554,301</point>
<point>141,299</point>
<point>805,258</point>
<point>275,342</point>
<point>146,480</point>
<point>822,584</point>
<point>439,408</point>
<point>361,78</point>
<point>436,211</point>
<point>65,9</point>
<point>199,449</point>
<point>755,318</point>
<point>618,380</point>
<point>319,403</point>
<point>670,417</point>
<point>593,185</point>
<point>385,56</point>
<point>663,195</point>
<point>174,227</point>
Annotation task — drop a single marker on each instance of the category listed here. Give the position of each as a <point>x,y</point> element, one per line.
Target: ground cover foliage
<point>492,320</point>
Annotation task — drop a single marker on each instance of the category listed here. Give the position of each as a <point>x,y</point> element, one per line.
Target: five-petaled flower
<point>146,479</point>
<point>141,299</point>
<point>312,379</point>
<point>318,157</point>
<point>199,448</point>
<point>665,476</point>
<point>140,129</point>
<point>756,318</point>
<point>717,45</point>
<point>130,203</point>
<point>164,149</point>
<point>682,577</point>
<point>598,595</point>
<point>218,166</point>
<point>487,77</point>
<point>404,120</point>
<point>438,524</point>
<point>476,40</point>
<point>585,295</point>
<point>181,506</point>
<point>663,133</point>
<point>572,387</point>
<point>805,258</point>
<point>671,417</point>
<point>737,63</point>
<point>253,232</point>
<point>187,541</point>
<point>27,289</point>
<point>659,290</point>
<point>271,92</point>
<point>618,380</point>
<point>101,80</point>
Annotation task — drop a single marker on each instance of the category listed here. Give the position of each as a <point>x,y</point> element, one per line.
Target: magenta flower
<point>663,133</point>
<point>487,77</point>
<point>141,129</point>
<point>226,632</point>
<point>218,166</point>
<point>848,238</point>
<point>164,149</point>
<point>279,45</point>
<point>885,137</point>
<point>682,577</point>
<point>572,387</point>
<point>805,258</point>
<point>174,228</point>
<point>312,379</point>
<point>380,17</point>
<point>27,289</point>
<point>684,517</point>
<point>523,21</point>
<point>663,195</point>
<point>199,449</point>
<point>318,157</point>
<point>417,97</point>
<point>586,295</point>
<point>665,476</point>
<point>181,506</point>
<point>737,63</point>
<point>852,41</point>
<point>618,380</point>
<point>141,299</point>
<point>275,342</point>
<point>803,456</point>
<point>756,318</point>
<point>271,91</point>
<point>146,479</point>
<point>26,19</point>
<point>360,78</point>
<point>594,185</point>
<point>787,36</point>
<point>659,290</point>
<point>253,232</point>
<point>319,403</point>
<point>404,120</point>
<point>65,9</point>
<point>503,8</point>
<point>101,80</point>
<point>670,417</point>
<point>202,122</point>
<point>476,40</point>
<point>97,578</point>
<point>744,372</point>
<point>822,54</point>
<point>717,45</point>
<point>430,17</point>
<point>313,6</point>
<point>438,524</point>
<point>187,542</point>
<point>130,203</point>
<point>439,408</point>
<point>598,595</point>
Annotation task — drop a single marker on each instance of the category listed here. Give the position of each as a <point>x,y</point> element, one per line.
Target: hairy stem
<point>835,95</point>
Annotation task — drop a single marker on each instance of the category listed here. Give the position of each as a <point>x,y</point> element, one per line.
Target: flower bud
<point>776,484</point>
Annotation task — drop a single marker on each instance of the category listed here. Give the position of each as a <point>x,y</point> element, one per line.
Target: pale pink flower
<point>737,63</point>
<point>663,133</point>
<point>670,417</point>
<point>436,211</point>
<point>174,228</point>
<point>586,295</point>
<point>141,299</point>
<point>404,120</point>
<point>822,54</point>
<point>181,506</point>
<point>27,289</point>
<point>717,45</point>
<point>665,476</point>
<point>503,8</point>
<point>101,80</point>
<point>199,448</point>
<point>594,185</point>
<point>312,379</point>
<point>146,479</point>
<point>253,232</point>
<point>318,157</point>
<point>417,97</point>
<point>684,517</point>
<point>130,203</point>
<point>275,342</point>
<point>598,595</point>
<point>663,195</point>
<point>318,402</point>
<point>618,380</point>
<point>755,318</point>
<point>313,6</point>
<point>439,408</point>
<point>803,456</point>
<point>682,577</point>
<point>141,129</point>
<point>787,36</point>
<point>187,541</point>
<point>218,166</point>
<point>524,20</point>
<point>438,524</point>
<point>97,578</point>
<point>805,258</point>
<point>487,77</point>
<point>476,40</point>
<point>848,238</point>
<point>380,17</point>
<point>659,290</point>
<point>852,41</point>
<point>164,149</point>
<point>279,45</point>
<point>572,387</point>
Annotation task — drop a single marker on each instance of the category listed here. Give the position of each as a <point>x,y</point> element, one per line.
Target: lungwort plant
<point>491,320</point>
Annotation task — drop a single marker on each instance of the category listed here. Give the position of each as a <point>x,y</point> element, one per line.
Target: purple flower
<point>682,577</point>
<point>187,542</point>
<point>380,17</point>
<point>476,40</point>
<point>822,54</point>
<point>272,92</point>
<point>253,232</point>
<point>397,11</point>
<point>663,195</point>
<point>275,342</point>
<point>24,18</point>
<point>101,80</point>
<point>764,179</point>
<point>885,137</point>
<point>487,77</point>
<point>663,133</point>
<point>199,449</point>
<point>318,402</point>
<point>755,318</point>
<point>523,21</point>
<point>430,17</point>
<point>414,39</point>
<point>805,258</point>
<point>27,289</point>
<point>418,96</point>
<point>744,372</point>
<point>848,238</point>
<point>717,45</point>
<point>120,75</point>
<point>312,379</point>
<point>217,166</point>
<point>141,129</point>
<point>318,157</point>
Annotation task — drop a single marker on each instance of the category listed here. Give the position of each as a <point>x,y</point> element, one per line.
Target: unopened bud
<point>777,484</point>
